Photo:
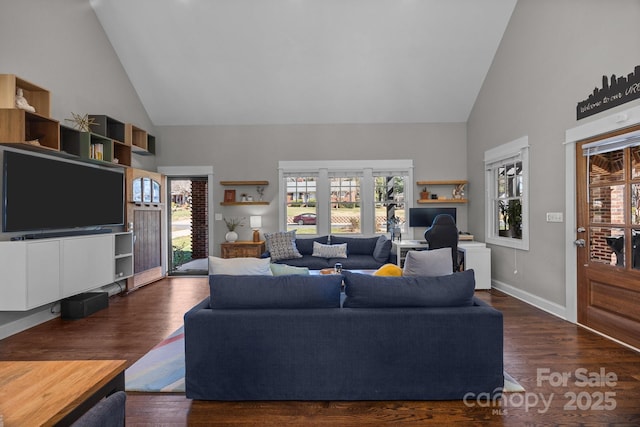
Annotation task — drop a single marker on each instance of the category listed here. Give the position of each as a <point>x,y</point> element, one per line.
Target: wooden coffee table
<point>55,392</point>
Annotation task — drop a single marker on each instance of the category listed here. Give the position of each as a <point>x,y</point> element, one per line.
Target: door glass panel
<point>606,245</point>
<point>635,203</point>
<point>635,162</point>
<point>606,204</point>
<point>606,167</point>
<point>635,249</point>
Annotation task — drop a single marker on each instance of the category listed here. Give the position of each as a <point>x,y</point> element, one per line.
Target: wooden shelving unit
<point>449,183</point>
<point>243,183</point>
<point>140,141</point>
<point>37,131</point>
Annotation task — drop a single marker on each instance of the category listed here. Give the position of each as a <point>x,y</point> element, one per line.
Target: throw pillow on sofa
<point>436,262</point>
<point>329,251</point>
<point>282,245</point>
<point>279,292</point>
<point>365,291</point>
<point>388,270</point>
<point>305,244</point>
<point>240,266</point>
<point>286,270</point>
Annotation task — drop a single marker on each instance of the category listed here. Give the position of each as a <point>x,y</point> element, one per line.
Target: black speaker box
<point>83,305</point>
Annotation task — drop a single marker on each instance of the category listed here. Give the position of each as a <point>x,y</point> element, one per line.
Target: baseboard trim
<point>541,303</point>
<point>24,323</point>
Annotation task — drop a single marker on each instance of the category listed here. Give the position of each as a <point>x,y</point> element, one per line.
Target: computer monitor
<point>423,217</point>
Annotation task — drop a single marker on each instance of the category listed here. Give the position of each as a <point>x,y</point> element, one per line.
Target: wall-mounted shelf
<point>443,182</point>
<point>230,183</point>
<point>450,183</point>
<point>239,184</point>
<point>449,200</point>
<point>242,203</point>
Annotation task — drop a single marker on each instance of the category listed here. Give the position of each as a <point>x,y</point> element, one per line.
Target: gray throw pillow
<point>436,262</point>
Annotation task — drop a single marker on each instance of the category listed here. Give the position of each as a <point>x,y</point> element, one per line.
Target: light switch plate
<point>554,217</point>
<point>218,217</point>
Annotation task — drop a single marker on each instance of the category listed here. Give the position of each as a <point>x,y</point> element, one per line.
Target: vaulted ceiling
<point>217,62</point>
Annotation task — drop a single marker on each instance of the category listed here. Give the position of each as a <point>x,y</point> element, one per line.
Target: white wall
<point>253,152</point>
<point>60,46</point>
<point>553,54</point>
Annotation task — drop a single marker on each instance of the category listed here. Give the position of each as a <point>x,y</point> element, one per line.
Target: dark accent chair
<point>109,412</point>
<point>443,233</point>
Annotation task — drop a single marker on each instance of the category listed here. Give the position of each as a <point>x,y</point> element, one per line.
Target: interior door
<point>608,235</point>
<point>145,201</point>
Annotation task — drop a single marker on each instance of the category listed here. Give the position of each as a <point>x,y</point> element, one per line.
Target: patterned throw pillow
<point>282,245</point>
<point>329,251</point>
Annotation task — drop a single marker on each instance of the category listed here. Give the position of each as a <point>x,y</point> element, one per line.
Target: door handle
<point>580,243</point>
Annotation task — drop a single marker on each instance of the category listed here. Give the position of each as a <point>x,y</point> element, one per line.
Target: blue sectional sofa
<point>384,338</point>
<point>363,253</point>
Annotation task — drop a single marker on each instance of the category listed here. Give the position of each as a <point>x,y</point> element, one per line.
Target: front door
<point>608,236</point>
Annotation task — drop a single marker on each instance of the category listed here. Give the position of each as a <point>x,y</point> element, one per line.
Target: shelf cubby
<point>138,139</point>
<point>23,126</point>
<point>109,127</point>
<point>37,97</point>
<point>82,144</point>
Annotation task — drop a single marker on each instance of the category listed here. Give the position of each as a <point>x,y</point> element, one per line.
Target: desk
<point>475,255</point>
<point>55,392</point>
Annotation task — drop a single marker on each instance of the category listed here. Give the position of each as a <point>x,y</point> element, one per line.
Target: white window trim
<point>323,168</point>
<point>518,147</point>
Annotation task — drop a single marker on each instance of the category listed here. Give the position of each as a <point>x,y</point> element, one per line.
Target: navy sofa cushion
<point>366,291</point>
<point>382,249</point>
<point>305,245</point>
<point>268,292</point>
<point>357,245</point>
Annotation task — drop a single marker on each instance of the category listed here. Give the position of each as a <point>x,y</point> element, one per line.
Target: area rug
<point>162,369</point>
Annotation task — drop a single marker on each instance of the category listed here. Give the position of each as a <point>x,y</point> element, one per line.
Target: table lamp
<point>255,221</point>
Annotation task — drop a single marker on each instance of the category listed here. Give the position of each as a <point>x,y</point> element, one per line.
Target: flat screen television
<point>423,217</point>
<point>44,193</point>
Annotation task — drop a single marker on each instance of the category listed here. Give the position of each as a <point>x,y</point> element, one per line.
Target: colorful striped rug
<point>162,369</point>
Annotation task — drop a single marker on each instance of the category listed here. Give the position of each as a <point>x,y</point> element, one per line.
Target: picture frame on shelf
<point>229,196</point>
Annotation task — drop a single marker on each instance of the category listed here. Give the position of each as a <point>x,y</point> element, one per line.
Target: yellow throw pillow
<point>388,270</point>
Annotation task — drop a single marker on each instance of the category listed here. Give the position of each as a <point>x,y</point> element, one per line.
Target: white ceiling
<point>215,62</point>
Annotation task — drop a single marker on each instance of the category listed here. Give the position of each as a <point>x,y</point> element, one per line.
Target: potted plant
<point>232,224</point>
<point>424,194</point>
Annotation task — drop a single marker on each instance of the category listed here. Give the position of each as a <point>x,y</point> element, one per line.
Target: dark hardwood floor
<point>534,340</point>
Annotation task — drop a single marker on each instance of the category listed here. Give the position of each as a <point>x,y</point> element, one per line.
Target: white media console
<point>42,271</point>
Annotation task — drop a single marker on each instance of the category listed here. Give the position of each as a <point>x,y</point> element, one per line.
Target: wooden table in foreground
<point>58,392</point>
